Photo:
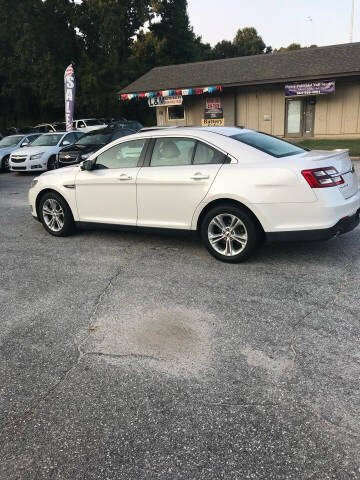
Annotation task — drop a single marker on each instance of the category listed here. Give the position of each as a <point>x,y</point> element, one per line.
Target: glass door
<point>294,117</point>
<point>309,111</point>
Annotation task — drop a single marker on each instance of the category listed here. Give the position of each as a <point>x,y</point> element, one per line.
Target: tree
<point>173,28</point>
<point>292,46</point>
<point>246,42</point>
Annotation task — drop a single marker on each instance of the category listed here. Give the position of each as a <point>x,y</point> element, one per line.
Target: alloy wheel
<point>227,234</point>
<point>53,214</point>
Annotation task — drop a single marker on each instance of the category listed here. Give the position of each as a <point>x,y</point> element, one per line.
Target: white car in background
<point>232,185</point>
<point>11,143</point>
<point>88,124</point>
<point>41,155</point>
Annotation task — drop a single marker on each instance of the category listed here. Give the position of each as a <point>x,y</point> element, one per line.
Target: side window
<point>172,152</point>
<point>33,137</point>
<point>123,155</point>
<point>68,138</point>
<point>78,135</point>
<point>206,154</point>
<point>81,124</point>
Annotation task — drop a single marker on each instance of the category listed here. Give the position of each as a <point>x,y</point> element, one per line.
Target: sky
<point>279,22</point>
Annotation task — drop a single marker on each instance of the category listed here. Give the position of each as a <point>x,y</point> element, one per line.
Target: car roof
<point>224,131</point>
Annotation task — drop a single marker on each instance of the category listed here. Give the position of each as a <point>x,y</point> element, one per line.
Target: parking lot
<point>136,356</point>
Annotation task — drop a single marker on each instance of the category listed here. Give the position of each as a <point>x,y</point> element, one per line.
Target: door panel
<point>168,196</point>
<point>107,194</point>
<point>176,180</point>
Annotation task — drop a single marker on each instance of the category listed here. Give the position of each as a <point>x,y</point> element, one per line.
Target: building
<point>313,92</point>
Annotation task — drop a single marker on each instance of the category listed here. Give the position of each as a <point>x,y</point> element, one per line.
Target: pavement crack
<point>125,355</point>
<point>244,404</point>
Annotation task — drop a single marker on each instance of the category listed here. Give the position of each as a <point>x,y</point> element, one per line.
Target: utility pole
<point>352,21</point>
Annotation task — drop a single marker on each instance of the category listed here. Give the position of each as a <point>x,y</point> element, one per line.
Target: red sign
<point>212,103</point>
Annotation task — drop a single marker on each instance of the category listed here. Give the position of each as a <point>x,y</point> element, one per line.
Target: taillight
<point>322,177</point>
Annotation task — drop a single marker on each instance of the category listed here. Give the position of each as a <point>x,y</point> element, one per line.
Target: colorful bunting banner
<point>169,93</point>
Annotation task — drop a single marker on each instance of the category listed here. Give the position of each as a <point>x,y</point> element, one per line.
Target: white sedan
<point>234,186</point>
<point>42,153</point>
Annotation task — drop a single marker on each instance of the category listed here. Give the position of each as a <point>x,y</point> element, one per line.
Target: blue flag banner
<point>70,88</point>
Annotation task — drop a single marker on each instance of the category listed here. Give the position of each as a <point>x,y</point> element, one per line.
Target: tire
<point>51,164</point>
<point>56,215</point>
<point>229,233</point>
<point>5,167</point>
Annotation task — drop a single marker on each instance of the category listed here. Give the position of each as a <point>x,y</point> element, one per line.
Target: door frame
<point>287,101</point>
<point>304,100</point>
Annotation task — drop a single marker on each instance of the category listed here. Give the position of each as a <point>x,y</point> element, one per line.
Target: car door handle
<point>200,176</point>
<point>123,176</point>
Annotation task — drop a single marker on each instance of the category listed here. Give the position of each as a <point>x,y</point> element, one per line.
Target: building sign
<point>165,101</point>
<point>213,103</point>
<point>310,88</point>
<point>212,122</point>
<point>214,113</point>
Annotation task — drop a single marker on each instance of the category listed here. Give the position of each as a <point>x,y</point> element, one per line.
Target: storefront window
<point>176,113</point>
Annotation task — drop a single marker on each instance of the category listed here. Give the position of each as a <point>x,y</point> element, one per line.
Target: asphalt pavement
<point>136,356</point>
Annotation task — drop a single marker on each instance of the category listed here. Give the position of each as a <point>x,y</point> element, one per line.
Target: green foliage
<point>292,46</point>
<point>111,42</point>
<point>246,42</point>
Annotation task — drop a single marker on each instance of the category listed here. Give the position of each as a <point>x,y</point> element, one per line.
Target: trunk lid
<point>341,161</point>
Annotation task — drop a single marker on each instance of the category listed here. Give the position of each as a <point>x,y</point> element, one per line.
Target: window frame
<point>152,141</point>
<point>175,119</point>
<point>141,160</point>
<point>267,152</point>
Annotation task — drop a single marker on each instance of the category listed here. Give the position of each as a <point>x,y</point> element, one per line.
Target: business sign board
<point>309,88</point>
<point>69,90</point>
<point>212,122</point>
<point>213,103</point>
<point>165,101</point>
<point>214,113</point>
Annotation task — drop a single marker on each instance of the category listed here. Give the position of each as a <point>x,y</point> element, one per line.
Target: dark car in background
<point>88,144</point>
<point>132,124</point>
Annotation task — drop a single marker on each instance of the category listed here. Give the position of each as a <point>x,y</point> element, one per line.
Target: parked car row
<point>84,125</point>
<point>58,149</point>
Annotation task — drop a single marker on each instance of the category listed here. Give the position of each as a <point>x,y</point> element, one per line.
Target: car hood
<point>6,151</point>
<point>32,150</point>
<point>71,170</point>
<point>80,148</point>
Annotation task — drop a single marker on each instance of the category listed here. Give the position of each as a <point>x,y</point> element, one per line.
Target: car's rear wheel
<point>56,215</point>
<point>5,165</point>
<point>229,233</point>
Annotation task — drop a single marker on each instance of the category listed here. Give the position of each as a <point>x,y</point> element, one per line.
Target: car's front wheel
<point>51,164</point>
<point>5,165</point>
<point>229,233</point>
<point>56,215</point>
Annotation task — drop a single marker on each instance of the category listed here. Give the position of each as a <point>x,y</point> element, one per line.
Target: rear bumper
<point>342,226</point>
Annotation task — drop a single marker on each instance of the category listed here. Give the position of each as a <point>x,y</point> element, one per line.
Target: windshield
<point>10,141</point>
<point>47,140</point>
<point>92,121</point>
<point>268,144</point>
<point>95,139</point>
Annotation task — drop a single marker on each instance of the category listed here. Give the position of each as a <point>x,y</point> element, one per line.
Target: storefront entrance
<point>299,119</point>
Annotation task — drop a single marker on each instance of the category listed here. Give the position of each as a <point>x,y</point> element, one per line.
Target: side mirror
<point>87,165</point>
<point>25,144</point>
<point>66,142</point>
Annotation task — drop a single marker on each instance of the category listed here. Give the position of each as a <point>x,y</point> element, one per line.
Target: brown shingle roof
<point>308,63</point>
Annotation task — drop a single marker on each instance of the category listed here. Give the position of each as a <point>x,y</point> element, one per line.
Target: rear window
<point>268,144</point>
